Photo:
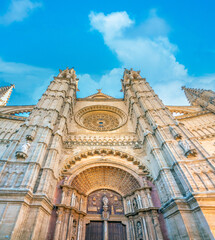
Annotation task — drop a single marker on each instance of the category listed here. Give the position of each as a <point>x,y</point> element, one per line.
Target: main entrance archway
<point>92,184</point>
<point>107,198</point>
<point>110,216</point>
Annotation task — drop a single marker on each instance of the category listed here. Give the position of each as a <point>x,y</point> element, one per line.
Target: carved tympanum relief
<point>110,199</point>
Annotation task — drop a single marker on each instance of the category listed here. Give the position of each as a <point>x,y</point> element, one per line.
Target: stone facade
<point>74,164</point>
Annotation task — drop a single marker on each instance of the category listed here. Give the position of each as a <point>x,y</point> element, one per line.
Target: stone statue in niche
<point>174,133</point>
<point>139,201</point>
<point>105,213</point>
<point>139,230</point>
<point>31,134</point>
<point>185,145</point>
<point>73,200</point>
<point>25,147</point>
<point>135,205</point>
<point>105,201</point>
<point>74,227</point>
<point>23,150</point>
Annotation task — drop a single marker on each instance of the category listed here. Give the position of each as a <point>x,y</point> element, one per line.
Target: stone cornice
<point>142,210</point>
<point>73,188</point>
<point>13,117</point>
<point>27,197</point>
<point>16,109</point>
<point>136,190</point>
<point>191,115</point>
<point>71,208</point>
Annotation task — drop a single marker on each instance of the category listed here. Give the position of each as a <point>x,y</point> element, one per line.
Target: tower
<point>99,167</point>
<point>201,97</point>
<point>29,167</point>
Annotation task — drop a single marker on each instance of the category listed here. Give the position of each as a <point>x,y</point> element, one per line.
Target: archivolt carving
<point>103,152</point>
<point>105,177</point>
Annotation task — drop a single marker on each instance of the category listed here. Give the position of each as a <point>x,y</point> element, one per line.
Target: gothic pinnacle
<point>5,93</point>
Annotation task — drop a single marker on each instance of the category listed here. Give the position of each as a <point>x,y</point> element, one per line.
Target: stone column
<point>59,222</point>
<point>132,229</point>
<point>65,225</point>
<point>105,216</point>
<point>145,228</point>
<point>157,226</point>
<point>69,235</point>
<point>151,230</point>
<point>105,230</point>
<point>80,223</point>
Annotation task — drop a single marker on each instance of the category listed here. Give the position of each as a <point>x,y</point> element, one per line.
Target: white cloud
<point>30,81</point>
<point>147,48</point>
<point>112,25</point>
<point>18,10</point>
<point>153,26</point>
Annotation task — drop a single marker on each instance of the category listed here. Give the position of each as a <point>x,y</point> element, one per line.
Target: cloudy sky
<point>171,42</point>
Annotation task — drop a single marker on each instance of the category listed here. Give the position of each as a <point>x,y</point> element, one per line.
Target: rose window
<point>101,118</point>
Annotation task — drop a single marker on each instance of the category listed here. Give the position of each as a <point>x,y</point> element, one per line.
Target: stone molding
<point>104,152</point>
<point>86,140</point>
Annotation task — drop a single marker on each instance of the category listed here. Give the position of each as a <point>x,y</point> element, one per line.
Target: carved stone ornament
<point>135,205</point>
<point>105,201</point>
<point>146,133</point>
<point>23,150</point>
<point>174,133</point>
<point>185,145</point>
<point>137,145</point>
<point>116,140</point>
<point>31,135</point>
<point>105,213</point>
<point>21,155</point>
<point>67,73</point>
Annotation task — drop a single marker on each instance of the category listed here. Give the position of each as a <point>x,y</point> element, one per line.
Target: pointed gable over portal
<point>99,96</point>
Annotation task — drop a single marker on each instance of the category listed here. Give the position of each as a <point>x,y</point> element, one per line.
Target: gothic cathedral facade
<point>100,168</point>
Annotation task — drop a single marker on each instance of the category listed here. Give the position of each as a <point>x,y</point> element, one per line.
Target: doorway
<point>116,231</point>
<point>95,230</point>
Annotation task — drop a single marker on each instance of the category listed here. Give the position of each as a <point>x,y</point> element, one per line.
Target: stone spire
<point>5,93</point>
<point>38,143</point>
<point>160,134</point>
<point>201,97</point>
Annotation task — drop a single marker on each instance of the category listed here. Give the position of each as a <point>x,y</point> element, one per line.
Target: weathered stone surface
<point>153,164</point>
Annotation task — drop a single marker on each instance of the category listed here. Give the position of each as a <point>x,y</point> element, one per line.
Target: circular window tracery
<point>101,118</point>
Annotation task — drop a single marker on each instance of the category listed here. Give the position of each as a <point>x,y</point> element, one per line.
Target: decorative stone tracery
<point>101,118</point>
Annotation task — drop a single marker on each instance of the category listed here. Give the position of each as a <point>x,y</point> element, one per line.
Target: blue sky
<point>171,42</point>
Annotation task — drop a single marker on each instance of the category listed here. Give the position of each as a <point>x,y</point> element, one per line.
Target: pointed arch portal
<point>91,176</point>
